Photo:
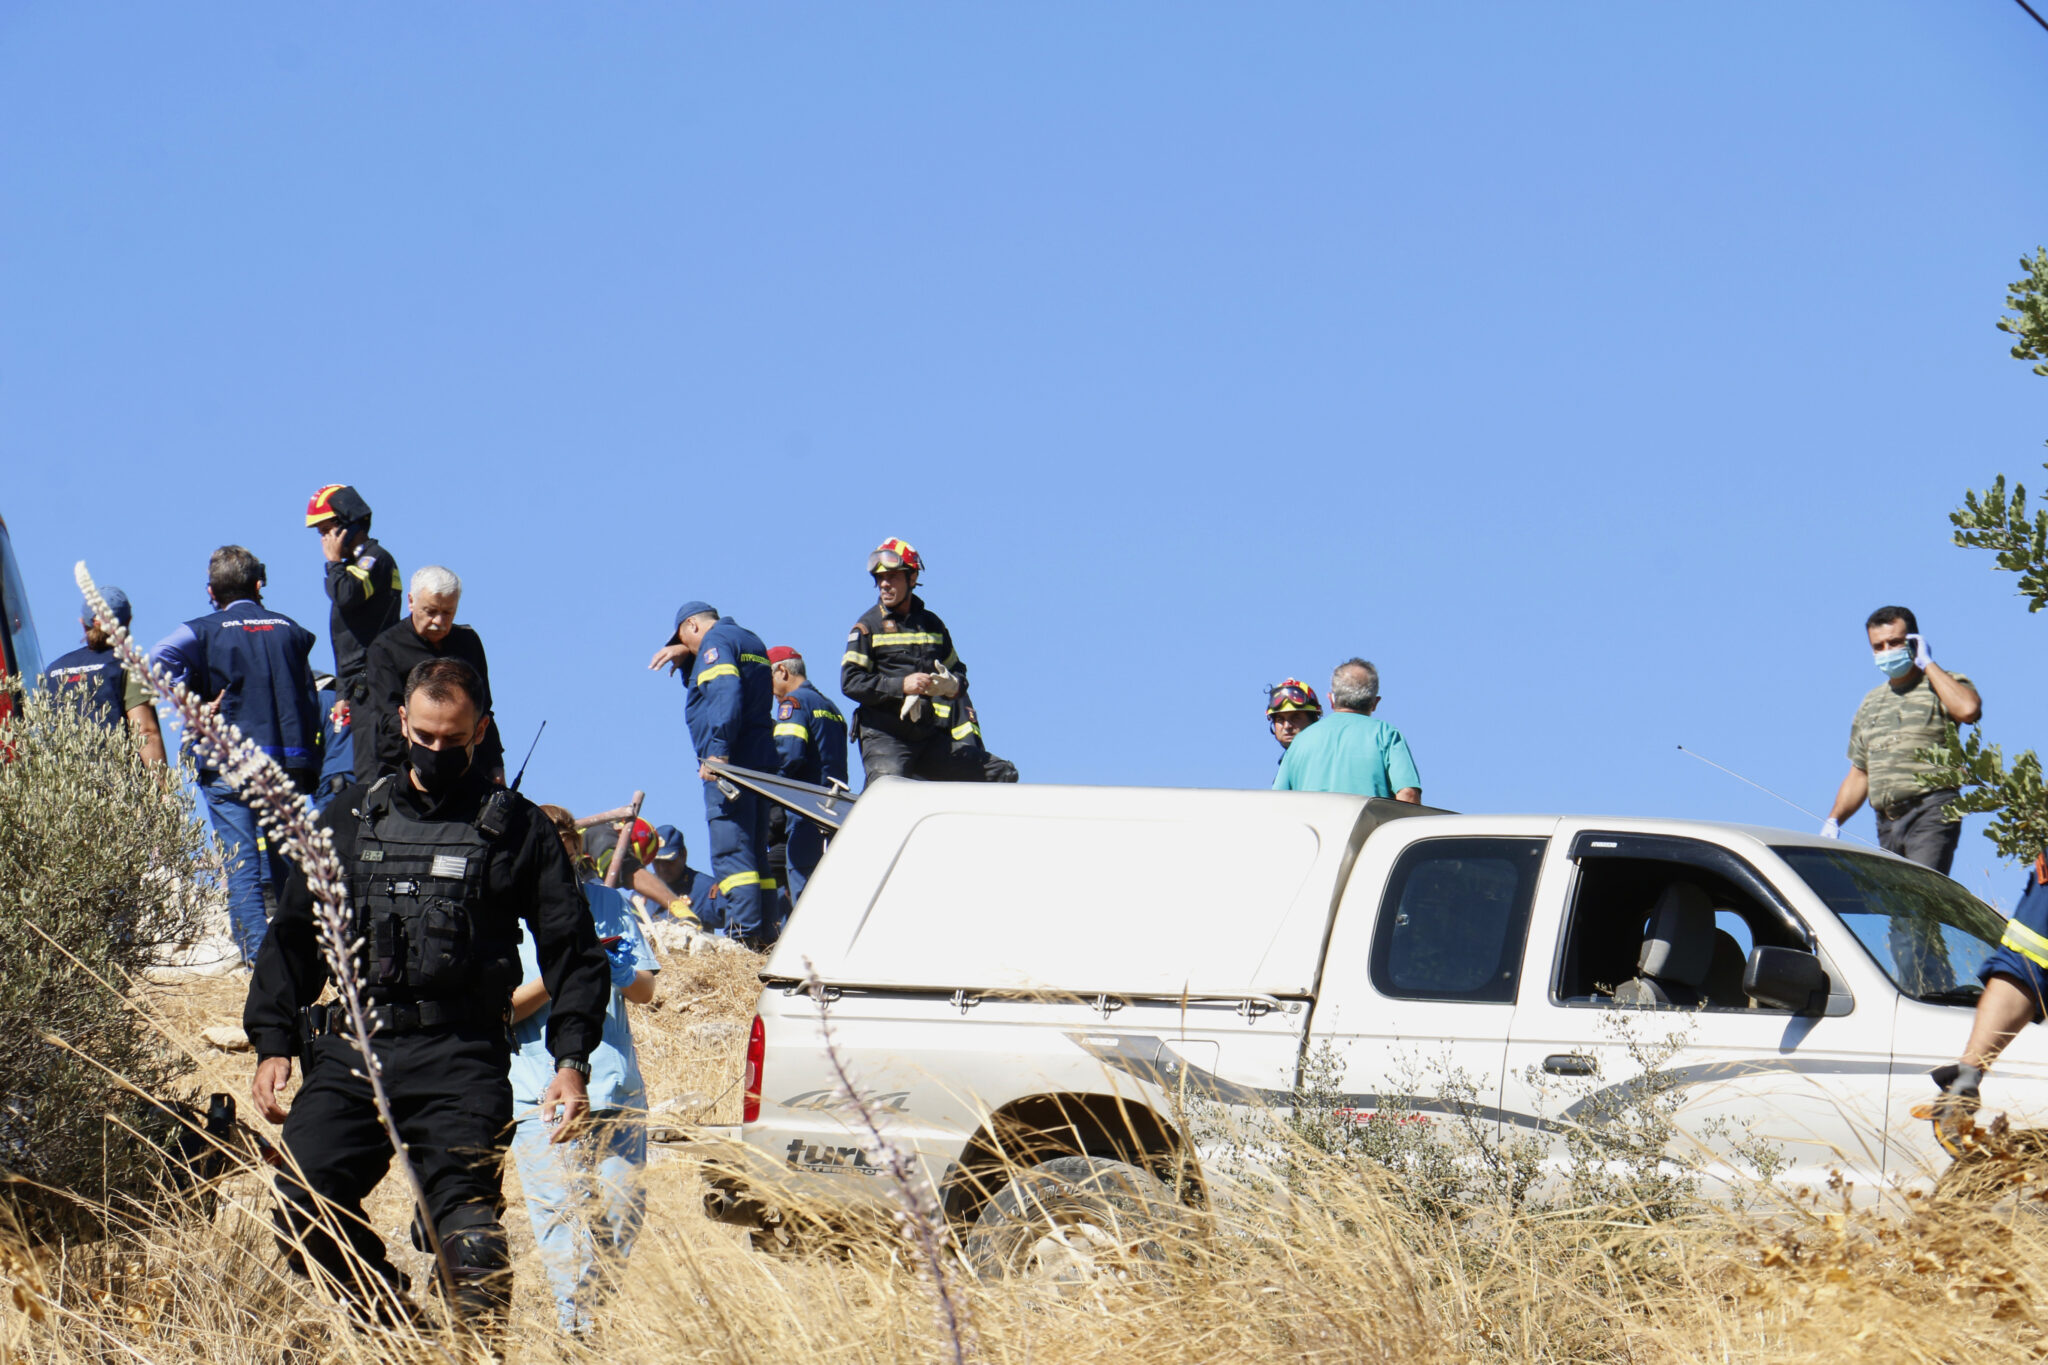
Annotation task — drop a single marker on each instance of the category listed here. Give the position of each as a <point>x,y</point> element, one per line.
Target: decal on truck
<point>895,1101</point>
<point>822,1157</point>
<point>1154,1062</point>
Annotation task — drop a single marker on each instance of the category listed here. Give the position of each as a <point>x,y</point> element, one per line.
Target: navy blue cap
<point>686,611</point>
<point>671,841</point>
<point>117,602</point>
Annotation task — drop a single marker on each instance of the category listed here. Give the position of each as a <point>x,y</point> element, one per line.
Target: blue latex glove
<point>1923,653</point>
<point>1832,829</point>
<point>624,969</point>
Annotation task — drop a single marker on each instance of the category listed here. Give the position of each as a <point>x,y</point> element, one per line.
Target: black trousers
<point>1916,830</point>
<point>931,758</point>
<point>451,1093</point>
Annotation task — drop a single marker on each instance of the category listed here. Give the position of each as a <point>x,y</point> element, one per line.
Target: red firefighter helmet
<point>641,841</point>
<point>893,554</point>
<point>336,501</point>
<point>1292,694</point>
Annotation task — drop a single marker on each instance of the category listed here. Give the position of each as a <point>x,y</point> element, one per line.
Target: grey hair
<point>795,664</point>
<point>435,581</point>
<point>1347,695</point>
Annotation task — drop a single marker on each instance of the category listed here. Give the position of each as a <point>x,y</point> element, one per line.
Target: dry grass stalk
<point>917,1214</point>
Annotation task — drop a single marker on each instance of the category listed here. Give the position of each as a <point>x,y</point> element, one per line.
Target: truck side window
<point>1697,924</point>
<point>1454,919</point>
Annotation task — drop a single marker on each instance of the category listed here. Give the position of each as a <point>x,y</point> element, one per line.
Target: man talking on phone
<point>1909,711</point>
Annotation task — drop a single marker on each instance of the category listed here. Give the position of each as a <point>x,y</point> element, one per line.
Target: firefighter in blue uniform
<point>810,738</point>
<point>728,710</point>
<point>106,691</point>
<point>337,742</point>
<point>2015,994</point>
<point>253,663</point>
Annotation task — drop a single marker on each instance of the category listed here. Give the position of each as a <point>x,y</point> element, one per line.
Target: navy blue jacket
<point>98,680</point>
<point>730,694</point>
<point>810,736</point>
<point>256,661</point>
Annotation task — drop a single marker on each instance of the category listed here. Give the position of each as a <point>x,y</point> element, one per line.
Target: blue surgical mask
<point>1895,663</point>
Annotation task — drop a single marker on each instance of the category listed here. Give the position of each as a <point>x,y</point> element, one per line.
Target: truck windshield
<point>1928,934</point>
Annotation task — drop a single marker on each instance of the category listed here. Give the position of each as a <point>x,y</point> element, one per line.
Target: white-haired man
<point>427,632</point>
<point>1349,750</point>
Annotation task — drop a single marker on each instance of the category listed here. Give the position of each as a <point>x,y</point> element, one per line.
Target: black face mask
<point>440,770</point>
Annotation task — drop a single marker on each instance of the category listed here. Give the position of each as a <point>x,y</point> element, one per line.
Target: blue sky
<point>1593,369</point>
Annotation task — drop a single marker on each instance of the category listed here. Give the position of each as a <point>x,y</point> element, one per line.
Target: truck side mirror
<point>1784,978</point>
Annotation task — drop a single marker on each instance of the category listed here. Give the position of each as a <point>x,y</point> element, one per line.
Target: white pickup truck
<point>1027,974</point>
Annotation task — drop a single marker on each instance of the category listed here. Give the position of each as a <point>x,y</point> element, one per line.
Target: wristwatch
<point>579,1065</point>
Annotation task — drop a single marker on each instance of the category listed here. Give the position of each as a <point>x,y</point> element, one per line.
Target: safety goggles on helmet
<point>893,554</point>
<point>1292,695</point>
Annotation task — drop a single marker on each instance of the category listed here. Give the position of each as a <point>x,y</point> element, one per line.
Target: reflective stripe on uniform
<point>718,671</point>
<point>943,710</point>
<point>791,730</point>
<point>361,576</point>
<point>828,715</point>
<point>905,637</point>
<point>753,659</point>
<point>740,879</point>
<point>2026,943</point>
<point>968,727</point>
<point>858,660</point>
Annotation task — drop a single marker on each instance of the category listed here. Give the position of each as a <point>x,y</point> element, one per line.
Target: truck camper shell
<point>1028,889</point>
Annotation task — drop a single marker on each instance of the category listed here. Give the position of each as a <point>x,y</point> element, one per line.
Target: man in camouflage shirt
<point>1909,712</point>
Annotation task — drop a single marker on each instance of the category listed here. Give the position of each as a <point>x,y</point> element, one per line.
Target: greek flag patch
<point>452,865</point>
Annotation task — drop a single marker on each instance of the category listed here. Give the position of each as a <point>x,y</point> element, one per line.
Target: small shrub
<point>97,851</point>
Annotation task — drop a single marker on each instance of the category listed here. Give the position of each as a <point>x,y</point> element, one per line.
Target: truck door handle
<point>1568,1064</point>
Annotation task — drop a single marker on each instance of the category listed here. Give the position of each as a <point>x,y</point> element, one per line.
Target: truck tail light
<point>757,1052</point>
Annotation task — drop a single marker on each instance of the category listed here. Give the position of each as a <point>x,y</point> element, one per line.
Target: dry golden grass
<point>1339,1272</point>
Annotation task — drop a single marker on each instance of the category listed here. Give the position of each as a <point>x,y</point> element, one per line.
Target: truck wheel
<point>1076,1220</point>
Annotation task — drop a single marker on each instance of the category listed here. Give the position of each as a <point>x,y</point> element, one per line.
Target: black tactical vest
<point>417,893</point>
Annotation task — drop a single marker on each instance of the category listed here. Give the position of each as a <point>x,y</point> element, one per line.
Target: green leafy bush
<point>1996,520</point>
<point>98,851</point>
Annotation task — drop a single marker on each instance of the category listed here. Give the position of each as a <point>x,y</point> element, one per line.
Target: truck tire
<point>1077,1220</point>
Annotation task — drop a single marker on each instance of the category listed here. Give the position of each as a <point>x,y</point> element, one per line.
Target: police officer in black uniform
<point>910,687</point>
<point>442,868</point>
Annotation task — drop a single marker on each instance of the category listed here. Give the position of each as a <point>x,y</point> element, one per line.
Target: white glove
<point>1923,653</point>
<point>1832,829</point>
<point>944,684</point>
